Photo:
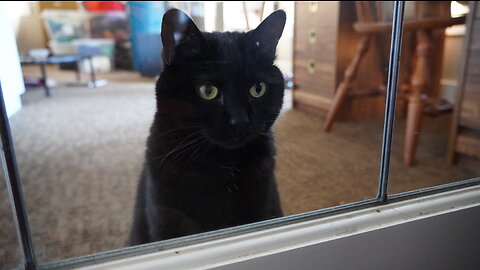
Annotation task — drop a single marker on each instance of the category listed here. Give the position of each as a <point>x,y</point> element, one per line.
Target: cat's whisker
<point>183,139</point>
<point>178,147</point>
<point>191,145</point>
<point>182,146</point>
<point>185,166</point>
<point>193,154</point>
<point>161,141</point>
<point>177,129</point>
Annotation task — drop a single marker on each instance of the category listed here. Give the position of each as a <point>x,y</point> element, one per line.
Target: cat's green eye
<point>208,91</point>
<point>258,90</point>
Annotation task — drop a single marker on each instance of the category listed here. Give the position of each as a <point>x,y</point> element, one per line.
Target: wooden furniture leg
<point>45,80</point>
<point>342,91</point>
<point>415,103</point>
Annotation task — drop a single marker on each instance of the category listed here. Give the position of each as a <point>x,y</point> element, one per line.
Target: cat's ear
<point>177,27</point>
<point>267,34</point>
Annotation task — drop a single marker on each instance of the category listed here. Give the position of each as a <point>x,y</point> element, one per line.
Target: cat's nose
<point>239,121</point>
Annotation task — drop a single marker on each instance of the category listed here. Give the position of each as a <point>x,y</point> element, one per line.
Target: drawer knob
<point>311,66</point>
<point>312,36</point>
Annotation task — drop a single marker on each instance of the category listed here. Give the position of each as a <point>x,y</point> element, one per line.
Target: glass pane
<point>315,168</point>
<point>203,143</point>
<point>80,155</point>
<point>434,109</point>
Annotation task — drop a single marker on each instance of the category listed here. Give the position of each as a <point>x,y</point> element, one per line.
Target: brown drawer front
<point>322,24</point>
<point>311,100</point>
<point>315,51</point>
<point>319,81</point>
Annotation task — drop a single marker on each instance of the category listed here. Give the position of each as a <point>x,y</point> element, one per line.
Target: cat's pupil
<point>258,88</point>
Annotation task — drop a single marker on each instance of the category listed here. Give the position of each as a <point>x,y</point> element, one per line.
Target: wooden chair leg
<point>415,103</point>
<point>343,89</point>
<point>414,123</point>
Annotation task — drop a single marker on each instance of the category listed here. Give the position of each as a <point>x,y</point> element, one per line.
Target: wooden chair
<point>464,145</point>
<point>370,24</point>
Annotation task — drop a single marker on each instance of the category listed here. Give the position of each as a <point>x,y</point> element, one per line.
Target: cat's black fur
<point>210,163</point>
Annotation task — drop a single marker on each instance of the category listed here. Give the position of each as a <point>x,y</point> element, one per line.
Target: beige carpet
<point>80,153</point>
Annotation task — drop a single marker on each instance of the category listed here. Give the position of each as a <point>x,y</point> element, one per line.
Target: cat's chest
<point>227,178</point>
<point>231,192</point>
<point>222,179</point>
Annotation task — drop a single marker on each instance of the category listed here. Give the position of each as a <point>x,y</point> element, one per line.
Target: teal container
<point>146,25</point>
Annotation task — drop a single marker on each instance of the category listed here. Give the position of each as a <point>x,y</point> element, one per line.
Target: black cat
<point>210,154</point>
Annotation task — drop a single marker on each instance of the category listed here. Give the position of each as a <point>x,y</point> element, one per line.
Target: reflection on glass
<point>82,152</point>
<point>435,108</point>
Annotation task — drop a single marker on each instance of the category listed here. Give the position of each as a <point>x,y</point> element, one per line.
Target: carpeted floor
<point>80,153</point>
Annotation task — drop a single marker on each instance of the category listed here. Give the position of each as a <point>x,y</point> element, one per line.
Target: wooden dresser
<point>465,132</point>
<point>324,44</point>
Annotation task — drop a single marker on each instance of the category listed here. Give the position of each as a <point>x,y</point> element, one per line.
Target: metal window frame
<point>21,219</point>
<point>14,188</point>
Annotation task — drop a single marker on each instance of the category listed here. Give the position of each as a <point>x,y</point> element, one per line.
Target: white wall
<point>11,78</point>
<point>285,46</point>
<point>234,20</point>
<point>27,24</point>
